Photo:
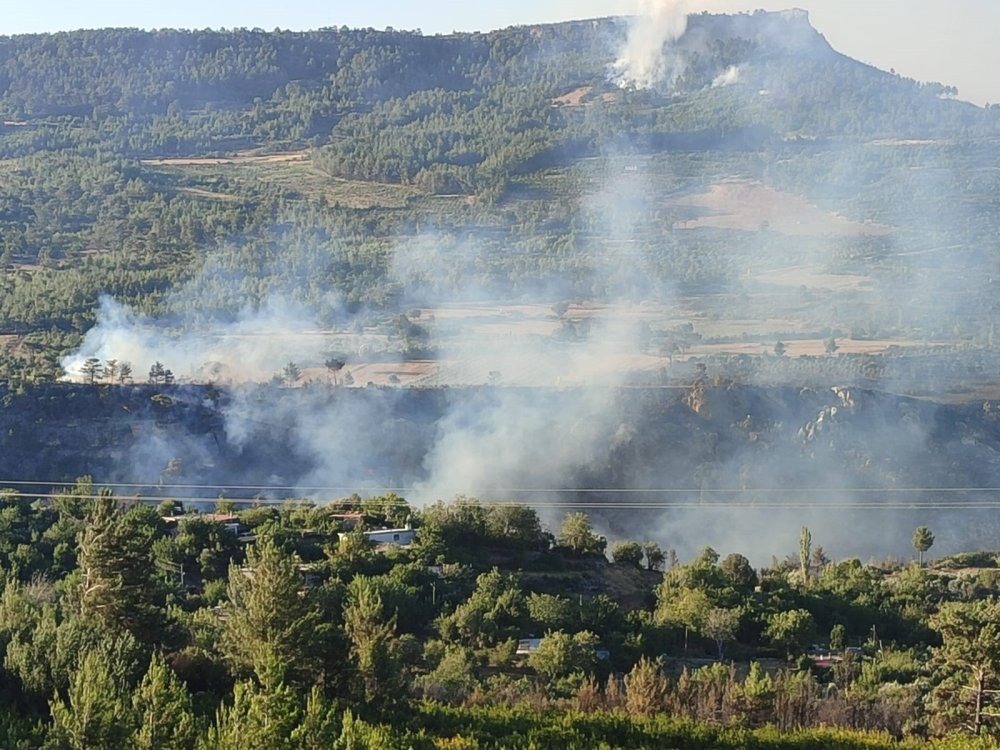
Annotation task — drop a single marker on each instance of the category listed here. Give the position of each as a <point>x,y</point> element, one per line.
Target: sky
<point>951,41</point>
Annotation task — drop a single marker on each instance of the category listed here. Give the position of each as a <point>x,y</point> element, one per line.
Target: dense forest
<point>297,626</point>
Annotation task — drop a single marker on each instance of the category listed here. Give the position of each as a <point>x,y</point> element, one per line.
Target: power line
<point>517,490</point>
<point>691,505</point>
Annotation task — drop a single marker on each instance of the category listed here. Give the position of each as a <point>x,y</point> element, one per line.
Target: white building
<point>401,537</point>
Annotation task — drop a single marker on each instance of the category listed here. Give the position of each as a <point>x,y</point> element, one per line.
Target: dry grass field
<point>291,171</point>
<point>242,159</point>
<point>749,205</point>
<point>813,278</point>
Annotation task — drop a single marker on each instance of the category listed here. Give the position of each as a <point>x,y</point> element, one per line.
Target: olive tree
<point>577,534</point>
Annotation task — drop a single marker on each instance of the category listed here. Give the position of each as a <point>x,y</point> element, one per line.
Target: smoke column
<point>647,60</point>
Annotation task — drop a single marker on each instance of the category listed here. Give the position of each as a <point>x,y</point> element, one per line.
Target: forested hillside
<point>365,128</point>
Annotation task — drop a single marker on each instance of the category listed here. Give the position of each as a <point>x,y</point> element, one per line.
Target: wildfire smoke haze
<point>698,287</point>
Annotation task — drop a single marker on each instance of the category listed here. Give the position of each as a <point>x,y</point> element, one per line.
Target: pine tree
<point>923,540</point>
<point>371,633</point>
<point>357,735</point>
<point>258,718</point>
<point>291,373</point>
<point>645,688</point>
<point>118,590</point>
<point>111,370</point>
<point>270,627</point>
<point>95,713</point>
<point>162,709</point>
<point>91,370</point>
<point>157,373</point>
<point>966,693</point>
<point>317,728</point>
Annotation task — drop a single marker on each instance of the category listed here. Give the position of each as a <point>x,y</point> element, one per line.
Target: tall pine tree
<point>162,710</point>
<point>271,626</point>
<point>118,588</point>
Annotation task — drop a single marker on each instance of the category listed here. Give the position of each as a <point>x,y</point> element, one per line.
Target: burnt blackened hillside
<point>651,450</point>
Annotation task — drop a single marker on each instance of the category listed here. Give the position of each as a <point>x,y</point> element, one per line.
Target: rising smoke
<point>546,413</point>
<point>648,59</point>
<point>253,347</point>
<point>728,77</point>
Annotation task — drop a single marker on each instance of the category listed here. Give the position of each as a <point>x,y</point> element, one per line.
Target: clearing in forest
<point>749,205</point>
<point>242,158</point>
<point>291,171</point>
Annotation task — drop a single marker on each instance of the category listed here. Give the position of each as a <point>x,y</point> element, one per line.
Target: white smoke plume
<point>506,441</point>
<point>648,58</point>
<point>250,348</point>
<point>728,77</point>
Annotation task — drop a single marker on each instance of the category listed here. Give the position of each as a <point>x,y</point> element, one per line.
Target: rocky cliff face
<point>738,437</point>
<point>787,31</point>
<point>858,465</point>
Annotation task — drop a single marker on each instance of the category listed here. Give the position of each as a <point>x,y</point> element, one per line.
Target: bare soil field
<point>539,320</point>
<point>579,98</point>
<point>813,278</point>
<point>575,311</point>
<point>209,194</point>
<point>465,312</point>
<point>517,328</point>
<point>749,205</point>
<point>292,171</point>
<point>572,98</point>
<point>464,372</point>
<point>760,329</point>
<point>514,345</point>
<point>907,142</point>
<point>414,372</point>
<point>806,347</point>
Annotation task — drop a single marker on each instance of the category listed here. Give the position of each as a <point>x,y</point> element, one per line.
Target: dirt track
<point>241,158</point>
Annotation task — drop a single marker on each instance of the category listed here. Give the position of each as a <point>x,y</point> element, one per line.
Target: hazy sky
<point>952,41</point>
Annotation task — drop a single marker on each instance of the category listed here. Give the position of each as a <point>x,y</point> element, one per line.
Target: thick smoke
<point>546,415</point>
<point>556,367</point>
<point>648,58</point>
<point>253,347</point>
<point>531,395</point>
<point>506,441</point>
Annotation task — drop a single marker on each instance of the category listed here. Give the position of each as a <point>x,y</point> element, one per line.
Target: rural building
<point>527,646</point>
<point>229,521</point>
<point>401,537</point>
